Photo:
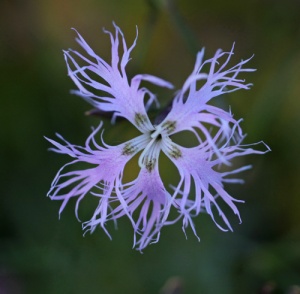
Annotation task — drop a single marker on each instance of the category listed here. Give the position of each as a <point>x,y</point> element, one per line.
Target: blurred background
<point>41,254</point>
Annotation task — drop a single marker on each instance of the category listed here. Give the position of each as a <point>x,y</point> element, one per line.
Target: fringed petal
<point>106,86</point>
<point>105,166</point>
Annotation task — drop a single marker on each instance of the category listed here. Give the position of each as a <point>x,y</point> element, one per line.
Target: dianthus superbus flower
<point>147,201</point>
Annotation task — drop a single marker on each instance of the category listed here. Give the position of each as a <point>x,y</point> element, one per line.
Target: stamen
<point>169,126</point>
<point>150,164</point>
<point>175,152</point>
<point>157,132</point>
<point>149,157</point>
<point>171,149</point>
<point>135,145</point>
<point>145,151</point>
<point>129,149</point>
<point>140,119</point>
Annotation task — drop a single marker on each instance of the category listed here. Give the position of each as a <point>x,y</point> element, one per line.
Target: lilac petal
<point>112,91</point>
<point>207,178</point>
<point>154,209</point>
<point>107,166</point>
<point>147,197</point>
<point>190,109</point>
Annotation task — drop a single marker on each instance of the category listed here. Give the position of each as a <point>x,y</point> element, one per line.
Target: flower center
<point>149,157</point>
<point>159,140</point>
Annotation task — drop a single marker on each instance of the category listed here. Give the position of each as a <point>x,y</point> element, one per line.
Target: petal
<point>148,194</point>
<point>147,202</point>
<point>104,170</point>
<point>106,86</point>
<point>198,167</point>
<point>190,110</point>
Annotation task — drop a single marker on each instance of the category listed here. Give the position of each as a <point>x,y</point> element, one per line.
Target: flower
<point>146,200</point>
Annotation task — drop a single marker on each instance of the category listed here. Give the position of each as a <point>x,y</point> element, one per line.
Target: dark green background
<point>41,254</point>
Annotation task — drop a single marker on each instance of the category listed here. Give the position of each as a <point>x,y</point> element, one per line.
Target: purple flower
<point>147,201</point>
